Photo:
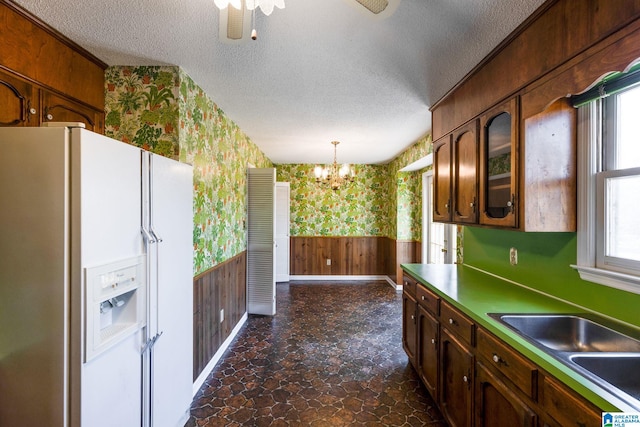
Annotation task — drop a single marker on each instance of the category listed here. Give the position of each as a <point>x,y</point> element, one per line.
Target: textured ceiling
<point>320,70</point>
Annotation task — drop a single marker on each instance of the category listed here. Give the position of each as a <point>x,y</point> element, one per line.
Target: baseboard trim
<point>329,278</point>
<point>216,357</point>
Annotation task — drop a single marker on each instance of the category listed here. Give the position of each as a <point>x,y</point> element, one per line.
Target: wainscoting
<point>221,287</point>
<point>355,256</point>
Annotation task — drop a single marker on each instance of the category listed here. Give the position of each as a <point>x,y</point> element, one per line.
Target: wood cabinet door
<point>59,109</point>
<point>456,379</point>
<point>428,350</point>
<point>442,179</point>
<point>496,405</point>
<point>409,326</point>
<point>465,176</point>
<point>16,102</point>
<point>499,170</point>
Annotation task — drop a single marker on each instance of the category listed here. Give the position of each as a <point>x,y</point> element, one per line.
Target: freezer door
<point>171,300</point>
<point>34,278</point>
<point>106,182</point>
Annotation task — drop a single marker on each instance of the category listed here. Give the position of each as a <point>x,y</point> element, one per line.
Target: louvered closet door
<point>261,283</point>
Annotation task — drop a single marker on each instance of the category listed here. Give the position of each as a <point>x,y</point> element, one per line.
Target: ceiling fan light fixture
<point>266,6</point>
<point>375,6</point>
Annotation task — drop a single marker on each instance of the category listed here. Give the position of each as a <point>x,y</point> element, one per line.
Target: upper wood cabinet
<point>499,166</point>
<point>17,106</point>
<point>44,76</point>
<point>455,178</point>
<point>465,176</point>
<point>58,109</point>
<point>442,154</point>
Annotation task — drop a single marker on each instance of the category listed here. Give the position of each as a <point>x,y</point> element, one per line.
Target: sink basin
<point>605,353</point>
<point>620,370</point>
<point>570,333</point>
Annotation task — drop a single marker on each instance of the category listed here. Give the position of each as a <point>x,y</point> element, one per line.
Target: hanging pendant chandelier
<point>265,5</point>
<point>334,175</point>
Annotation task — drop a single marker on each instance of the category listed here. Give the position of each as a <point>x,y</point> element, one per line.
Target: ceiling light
<point>265,5</point>
<point>222,4</point>
<point>333,175</point>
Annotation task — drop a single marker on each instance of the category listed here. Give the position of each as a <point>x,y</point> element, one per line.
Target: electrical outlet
<point>221,315</point>
<point>513,256</point>
<point>328,261</point>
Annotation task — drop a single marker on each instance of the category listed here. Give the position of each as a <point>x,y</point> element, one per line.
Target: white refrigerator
<point>96,276</point>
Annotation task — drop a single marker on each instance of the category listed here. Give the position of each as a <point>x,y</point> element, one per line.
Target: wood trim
<point>55,33</point>
<point>222,287</point>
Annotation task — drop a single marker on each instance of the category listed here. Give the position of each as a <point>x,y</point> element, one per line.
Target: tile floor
<point>331,356</point>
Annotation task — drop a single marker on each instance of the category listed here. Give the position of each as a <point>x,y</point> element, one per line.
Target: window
<point>609,184</point>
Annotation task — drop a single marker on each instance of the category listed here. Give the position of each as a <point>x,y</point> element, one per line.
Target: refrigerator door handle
<point>150,343</point>
<point>155,235</point>
<point>150,237</point>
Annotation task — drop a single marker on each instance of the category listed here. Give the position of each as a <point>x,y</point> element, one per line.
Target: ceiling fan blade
<point>375,6</point>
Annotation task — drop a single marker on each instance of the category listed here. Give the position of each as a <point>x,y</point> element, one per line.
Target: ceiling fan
<point>236,26</point>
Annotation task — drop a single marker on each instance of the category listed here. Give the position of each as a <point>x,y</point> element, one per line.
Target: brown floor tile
<point>331,356</point>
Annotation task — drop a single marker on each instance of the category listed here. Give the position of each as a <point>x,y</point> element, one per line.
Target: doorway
<point>438,239</point>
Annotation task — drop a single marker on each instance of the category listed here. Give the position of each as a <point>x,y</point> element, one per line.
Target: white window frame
<point>590,218</point>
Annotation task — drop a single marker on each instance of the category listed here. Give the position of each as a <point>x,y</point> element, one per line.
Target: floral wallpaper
<point>381,202</point>
<point>357,209</point>
<point>409,206</point>
<point>406,207</point>
<point>141,107</point>
<point>163,110</point>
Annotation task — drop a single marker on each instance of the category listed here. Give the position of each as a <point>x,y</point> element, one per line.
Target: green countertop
<point>477,293</point>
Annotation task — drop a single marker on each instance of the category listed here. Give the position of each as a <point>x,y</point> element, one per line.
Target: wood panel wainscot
<point>222,287</point>
<point>324,256</point>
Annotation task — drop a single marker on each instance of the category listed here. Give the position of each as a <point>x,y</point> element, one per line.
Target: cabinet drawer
<point>428,299</point>
<point>518,370</point>
<point>566,408</point>
<point>457,323</point>
<point>409,285</point>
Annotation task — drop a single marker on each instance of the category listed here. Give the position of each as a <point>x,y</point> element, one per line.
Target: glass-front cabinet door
<point>499,165</point>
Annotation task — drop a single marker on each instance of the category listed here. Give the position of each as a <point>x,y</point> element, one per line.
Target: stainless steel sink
<point>607,354</point>
<point>621,370</point>
<point>570,333</point>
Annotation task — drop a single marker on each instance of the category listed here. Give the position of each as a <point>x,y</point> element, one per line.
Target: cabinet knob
<point>496,358</point>
<point>49,116</point>
<point>422,297</point>
<point>433,340</point>
<point>406,283</point>
<point>451,321</point>
<point>413,317</point>
<point>32,111</point>
<point>465,379</point>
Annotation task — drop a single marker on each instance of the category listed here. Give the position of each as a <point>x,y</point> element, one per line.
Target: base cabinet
<point>476,378</point>
<point>428,343</point>
<point>497,405</point>
<point>409,324</point>
<point>456,372</point>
